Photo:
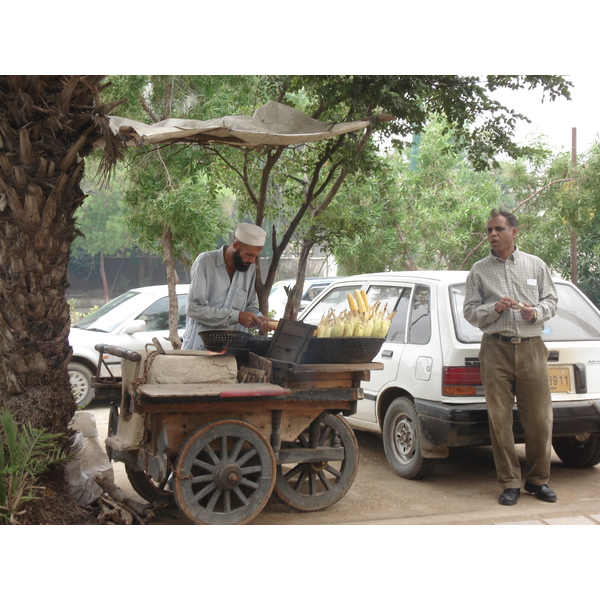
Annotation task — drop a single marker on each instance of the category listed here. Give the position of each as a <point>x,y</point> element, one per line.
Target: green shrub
<point>25,454</point>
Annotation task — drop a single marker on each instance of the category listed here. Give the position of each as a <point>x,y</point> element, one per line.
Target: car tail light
<point>462,381</point>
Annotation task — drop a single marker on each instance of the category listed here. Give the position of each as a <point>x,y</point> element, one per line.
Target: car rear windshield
<point>575,319</point>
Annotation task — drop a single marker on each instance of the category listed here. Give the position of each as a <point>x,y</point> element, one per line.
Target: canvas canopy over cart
<point>218,433</point>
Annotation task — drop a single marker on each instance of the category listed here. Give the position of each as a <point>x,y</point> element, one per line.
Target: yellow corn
<point>352,302</point>
<point>365,300</point>
<point>359,301</point>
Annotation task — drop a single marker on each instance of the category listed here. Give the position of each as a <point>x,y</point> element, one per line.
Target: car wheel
<point>402,441</point>
<point>81,384</point>
<point>580,451</point>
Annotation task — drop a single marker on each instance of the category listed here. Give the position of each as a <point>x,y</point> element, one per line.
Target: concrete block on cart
<point>180,366</point>
<point>192,366</point>
<point>185,366</point>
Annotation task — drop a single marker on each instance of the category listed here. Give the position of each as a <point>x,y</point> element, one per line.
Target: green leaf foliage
<point>101,218</point>
<point>426,211</point>
<point>168,190</point>
<point>25,454</point>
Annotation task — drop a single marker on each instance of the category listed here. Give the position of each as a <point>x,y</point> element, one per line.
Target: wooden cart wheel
<point>148,489</point>
<point>225,473</point>
<point>311,486</point>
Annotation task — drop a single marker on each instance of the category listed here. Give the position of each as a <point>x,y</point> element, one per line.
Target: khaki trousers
<point>521,370</point>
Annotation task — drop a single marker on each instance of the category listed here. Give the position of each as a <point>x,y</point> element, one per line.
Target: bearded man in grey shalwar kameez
<point>222,291</point>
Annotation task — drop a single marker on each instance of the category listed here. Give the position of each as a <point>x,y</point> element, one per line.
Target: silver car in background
<point>131,321</point>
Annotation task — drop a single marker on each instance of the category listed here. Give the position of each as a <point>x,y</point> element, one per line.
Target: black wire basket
<point>237,342</point>
<point>217,340</point>
<point>342,350</point>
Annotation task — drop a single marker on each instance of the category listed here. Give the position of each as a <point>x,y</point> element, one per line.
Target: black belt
<point>509,339</point>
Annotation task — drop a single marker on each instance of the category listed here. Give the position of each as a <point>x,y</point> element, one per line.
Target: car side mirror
<point>135,326</point>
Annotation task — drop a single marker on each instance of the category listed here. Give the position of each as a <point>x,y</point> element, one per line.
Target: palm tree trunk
<point>48,124</point>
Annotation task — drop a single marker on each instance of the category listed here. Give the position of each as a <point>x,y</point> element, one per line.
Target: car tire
<point>402,441</point>
<point>579,451</point>
<point>81,384</point>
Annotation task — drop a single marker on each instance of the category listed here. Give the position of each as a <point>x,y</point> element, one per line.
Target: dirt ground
<point>461,491</point>
<point>55,506</point>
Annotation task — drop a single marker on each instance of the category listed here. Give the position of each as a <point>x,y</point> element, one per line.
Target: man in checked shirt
<point>509,295</point>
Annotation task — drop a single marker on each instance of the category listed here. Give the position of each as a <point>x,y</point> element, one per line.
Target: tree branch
<point>545,187</point>
<point>342,176</point>
<point>148,110</point>
<point>243,175</point>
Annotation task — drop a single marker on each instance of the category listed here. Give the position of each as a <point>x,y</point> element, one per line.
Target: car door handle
<point>387,353</point>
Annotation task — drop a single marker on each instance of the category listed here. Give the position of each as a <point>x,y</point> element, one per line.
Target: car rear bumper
<point>452,425</point>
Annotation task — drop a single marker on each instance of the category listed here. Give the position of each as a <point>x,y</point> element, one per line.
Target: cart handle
<point>119,351</point>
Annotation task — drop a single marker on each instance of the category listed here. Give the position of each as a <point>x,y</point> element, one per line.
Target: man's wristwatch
<point>535,316</point>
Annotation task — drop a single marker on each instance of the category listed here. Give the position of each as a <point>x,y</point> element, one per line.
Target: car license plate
<point>560,379</point>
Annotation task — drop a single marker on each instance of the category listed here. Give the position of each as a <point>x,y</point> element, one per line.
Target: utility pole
<point>573,232</point>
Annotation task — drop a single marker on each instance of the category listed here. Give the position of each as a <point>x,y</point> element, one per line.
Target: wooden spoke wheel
<point>225,473</point>
<point>310,486</point>
<point>148,489</point>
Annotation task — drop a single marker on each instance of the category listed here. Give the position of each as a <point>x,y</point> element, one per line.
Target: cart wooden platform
<point>219,450</point>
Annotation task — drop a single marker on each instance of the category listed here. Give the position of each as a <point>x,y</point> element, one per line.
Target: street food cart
<point>217,432</point>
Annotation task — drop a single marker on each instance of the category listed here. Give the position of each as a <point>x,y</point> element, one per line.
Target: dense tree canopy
<point>289,190</point>
<point>302,183</point>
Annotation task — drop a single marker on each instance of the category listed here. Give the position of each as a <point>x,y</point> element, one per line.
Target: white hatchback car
<point>429,398</point>
<point>131,321</point>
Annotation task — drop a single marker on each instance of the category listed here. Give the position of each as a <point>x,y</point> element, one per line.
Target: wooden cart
<point>218,450</point>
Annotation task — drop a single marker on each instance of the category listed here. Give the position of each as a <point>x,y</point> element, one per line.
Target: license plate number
<point>560,379</point>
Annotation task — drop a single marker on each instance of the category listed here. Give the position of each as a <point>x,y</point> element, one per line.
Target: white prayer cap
<point>250,234</point>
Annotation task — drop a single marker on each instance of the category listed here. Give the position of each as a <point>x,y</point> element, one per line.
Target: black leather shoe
<point>542,492</point>
<point>509,496</point>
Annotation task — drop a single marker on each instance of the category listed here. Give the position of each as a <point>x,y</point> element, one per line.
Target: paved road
<point>462,491</point>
